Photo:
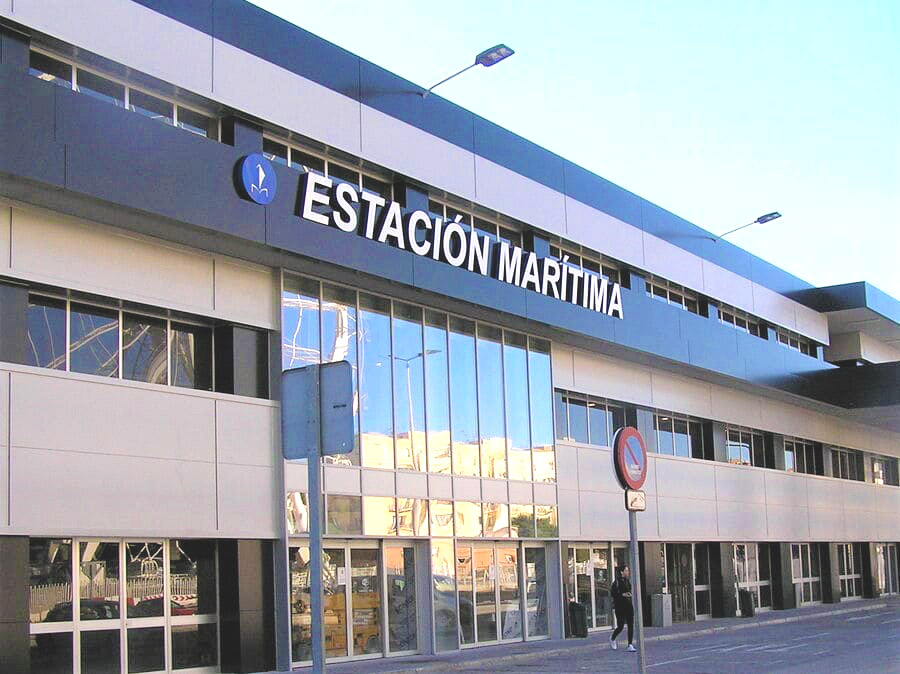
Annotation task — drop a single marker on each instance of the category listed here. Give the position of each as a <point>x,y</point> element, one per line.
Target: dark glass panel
<point>378,187</point>
<point>598,423</point>
<point>52,653</point>
<point>151,106</point>
<point>409,387</point>
<point>278,153</point>
<point>400,570</point>
<point>198,123</point>
<point>342,174</point>
<point>365,598</point>
<point>376,424</point>
<point>146,651</point>
<point>192,577</point>
<point>191,356</point>
<point>50,70</point>
<point>665,436</point>
<point>99,581</point>
<point>508,587</point>
<point>46,332</point>
<point>144,355</point>
<point>94,340</point>
<point>195,646</point>
<point>515,373</point>
<point>334,578</point>
<point>301,612</point>
<point>465,594</point>
<point>306,162</point>
<point>561,412</point>
<point>547,522</point>
<point>578,421</point>
<point>485,601</point>
<point>682,440</point>
<point>343,515</point>
<point>102,88</point>
<point>50,561</point>
<point>521,521</point>
<point>100,652</point>
<point>696,432</point>
<point>463,397</point>
<point>437,392</point>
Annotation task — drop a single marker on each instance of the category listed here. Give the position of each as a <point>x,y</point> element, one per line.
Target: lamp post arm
<point>732,231</point>
<point>446,79</point>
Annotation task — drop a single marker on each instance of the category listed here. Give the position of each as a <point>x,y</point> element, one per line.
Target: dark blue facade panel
<point>591,189</point>
<point>197,14</point>
<point>567,316</point>
<point>503,147</point>
<point>712,345</point>
<point>484,291</point>
<point>651,326</point>
<point>775,278</point>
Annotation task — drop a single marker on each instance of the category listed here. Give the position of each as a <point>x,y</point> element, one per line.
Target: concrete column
<point>831,579</point>
<point>246,605</point>
<point>782,579</point>
<point>653,574</point>
<point>424,592</point>
<point>721,572</point>
<point>556,607</point>
<point>14,581</point>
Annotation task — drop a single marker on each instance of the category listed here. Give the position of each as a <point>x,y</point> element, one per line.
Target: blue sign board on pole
<point>317,403</point>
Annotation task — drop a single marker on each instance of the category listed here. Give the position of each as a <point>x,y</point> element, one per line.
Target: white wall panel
<point>873,350</point>
<point>865,528</point>
<point>296,476</point>
<point>594,514</point>
<point>245,502</point>
<point>520,492</point>
<point>774,307</point>
<point>65,492</point>
<point>567,469</point>
<point>735,407</point>
<point>85,256</point>
<point>671,262</point>
<point>603,233</point>
<point>127,33</point>
<point>824,493</point>
<point>741,484</point>
<point>595,470</point>
<point>466,489</point>
<point>785,489</point>
<point>563,365</point>
<point>888,527</point>
<point>722,284</point>
<point>5,219</point>
<point>827,524</point>
<point>4,448</point>
<point>86,414</point>
<point>811,323</point>
<point>685,478</point>
<point>246,82</point>
<point>686,519</point>
<point>389,142</point>
<point>412,485</point>
<point>688,396</point>
<point>859,496</point>
<point>613,379</point>
<point>515,195</point>
<point>245,433</point>
<point>246,293</point>
<point>441,487</point>
<point>887,500</point>
<point>378,482</point>
<point>569,517</point>
<point>648,521</point>
<point>544,494</point>
<point>494,491</point>
<point>741,521</point>
<point>787,523</point>
<point>341,479</point>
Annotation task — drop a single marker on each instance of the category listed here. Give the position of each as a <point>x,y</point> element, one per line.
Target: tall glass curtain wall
<point>431,391</point>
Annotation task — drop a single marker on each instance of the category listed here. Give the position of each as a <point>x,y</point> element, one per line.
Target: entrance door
<point>680,574</point>
<point>400,595</point>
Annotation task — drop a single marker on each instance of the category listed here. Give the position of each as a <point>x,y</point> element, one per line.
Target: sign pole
<point>636,589</point>
<point>316,590</point>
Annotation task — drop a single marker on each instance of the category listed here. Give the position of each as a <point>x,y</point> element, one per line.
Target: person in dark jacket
<point>621,594</point>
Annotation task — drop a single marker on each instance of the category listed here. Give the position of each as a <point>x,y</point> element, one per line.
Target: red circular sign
<point>630,457</point>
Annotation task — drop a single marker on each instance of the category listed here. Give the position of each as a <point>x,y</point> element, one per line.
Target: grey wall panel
<point>603,232</point>
<point>441,487</point>
<point>494,491</point>
<point>595,470</point>
<point>4,448</point>
<point>859,496</point>
<point>500,188</point>
<point>787,523</point>
<point>245,497</point>
<point>544,493</point>
<point>57,492</point>
<point>412,484</point>
<point>742,484</point>
<point>786,489</point>
<point>5,244</point>
<point>686,519</point>
<point>681,478</point>
<point>246,432</point>
<point>822,492</point>
<point>569,514</point>
<point>673,263</point>
<point>378,482</point>
<point>827,524</point>
<point>567,469</point>
<point>741,521</point>
<point>78,413</point>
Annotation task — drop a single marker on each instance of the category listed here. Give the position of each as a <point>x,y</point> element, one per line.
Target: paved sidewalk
<point>487,658</point>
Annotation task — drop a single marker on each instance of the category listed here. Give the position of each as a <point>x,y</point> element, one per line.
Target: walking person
<point>621,594</point>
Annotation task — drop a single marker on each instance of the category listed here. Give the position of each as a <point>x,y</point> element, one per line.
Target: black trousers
<point>624,616</point>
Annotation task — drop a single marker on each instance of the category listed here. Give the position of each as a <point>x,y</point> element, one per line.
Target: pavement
<point>856,636</point>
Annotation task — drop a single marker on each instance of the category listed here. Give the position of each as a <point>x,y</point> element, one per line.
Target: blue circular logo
<point>258,177</point>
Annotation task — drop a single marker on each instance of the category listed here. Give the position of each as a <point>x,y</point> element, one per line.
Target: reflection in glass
<point>508,575</point>
<point>463,397</point>
<point>151,106</point>
<point>50,561</point>
<point>334,578</point>
<point>464,593</point>
<point>441,518</point>
<point>98,581</point>
<point>546,521</point>
<point>536,592</point>
<point>412,517</point>
<point>50,70</point>
<point>409,387</point>
<point>197,123</point>
<point>468,519</point>
<point>301,611</point>
<point>600,559</point>
<point>343,515</point>
<point>339,343</point>
<point>379,516</point>
<point>443,570</point>
<point>365,600</point>
<point>578,420</point>
<point>400,569</point>
<point>46,332</point>
<point>515,373</point>
<point>191,358</point>
<point>664,437</point>
<point>144,580</point>
<point>490,403</point>
<point>561,412</point>
<point>496,520</point>
<point>144,356</point>
<point>376,425</point>
<point>52,653</point>
<point>297,512</point>
<point>485,601</point>
<point>101,88</point>
<point>540,392</point>
<point>94,340</point>
<point>192,576</point>
<point>146,651</point>
<point>100,652</point>
<point>299,322</point>
<point>682,441</point>
<point>521,521</point>
<point>598,423</point>
<point>583,573</point>
<point>194,646</point>
<point>437,398</point>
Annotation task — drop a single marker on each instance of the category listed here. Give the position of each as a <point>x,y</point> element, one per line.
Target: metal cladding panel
<point>651,326</point>
<point>711,345</point>
<point>197,14</point>
<point>505,148</point>
<point>591,189</point>
<point>570,317</point>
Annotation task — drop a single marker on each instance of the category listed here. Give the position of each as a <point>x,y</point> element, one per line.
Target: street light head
<point>493,55</point>
<point>768,217</point>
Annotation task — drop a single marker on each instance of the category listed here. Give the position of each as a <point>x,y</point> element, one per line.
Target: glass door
<point>805,571</point>
<point>680,578</point>
<point>535,575</point>
<point>850,570</point>
<point>602,583</point>
<point>702,589</point>
<point>508,594</point>
<point>485,582</point>
<point>400,593</point>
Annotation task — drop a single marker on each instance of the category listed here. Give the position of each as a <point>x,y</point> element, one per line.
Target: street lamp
<point>407,361</point>
<point>768,217</point>
<point>487,58</point>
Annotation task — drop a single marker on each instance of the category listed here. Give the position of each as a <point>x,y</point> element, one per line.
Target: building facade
<point>197,196</point>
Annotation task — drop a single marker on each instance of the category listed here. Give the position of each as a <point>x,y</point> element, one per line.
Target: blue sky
<point>717,111</point>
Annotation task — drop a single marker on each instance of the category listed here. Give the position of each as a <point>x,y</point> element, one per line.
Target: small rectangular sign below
<point>635,500</point>
<point>317,399</point>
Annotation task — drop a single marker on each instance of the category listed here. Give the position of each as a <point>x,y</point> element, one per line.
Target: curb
<point>488,663</point>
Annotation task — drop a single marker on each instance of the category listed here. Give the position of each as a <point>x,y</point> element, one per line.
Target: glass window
<point>511,236</point>
<point>515,373</point>
<point>306,162</point>
<point>339,342</point>
<point>146,649</point>
<point>301,612</point>
<point>50,70</point>
<point>465,597</point>
<point>468,519</point>
<point>562,415</point>
<point>334,577</point>
<point>343,515</point>
<point>198,123</point>
<point>696,432</point>
<point>94,340</point>
<point>521,521</point>
<point>300,323</point>
<point>195,646</point>
<point>508,586</point>
<point>297,512</point>
<point>144,349</point>
<point>789,457</point>
<point>682,440</point>
<point>379,516</point>
<point>100,651</point>
<point>192,582</point>
<point>485,600</point>
<point>578,421</point>
<point>616,419</point>
<point>151,106</point>
<point>496,520</point>
<point>400,569</point>
<point>412,517</point>
<point>378,187</point>
<point>98,580</point>
<point>191,356</point>
<point>342,174</point>
<point>665,437</point>
<point>536,591</point>
<point>758,450</point>
<point>441,516</point>
<point>50,596</point>
<point>547,524</point>
<point>437,398</point>
<point>365,598</point>
<point>443,570</point>
<point>144,580</point>
<point>102,88</point>
<point>490,402</point>
<point>409,387</point>
<point>463,397</point>
<point>276,152</point>
<point>598,423</point>
<point>46,332</point>
<point>376,424</point>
